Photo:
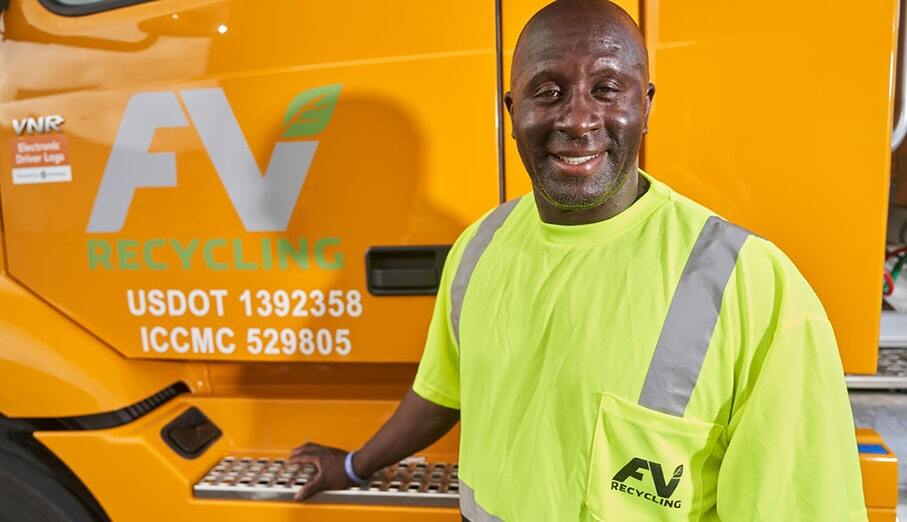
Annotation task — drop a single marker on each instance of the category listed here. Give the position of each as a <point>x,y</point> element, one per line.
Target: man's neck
<point>632,189</point>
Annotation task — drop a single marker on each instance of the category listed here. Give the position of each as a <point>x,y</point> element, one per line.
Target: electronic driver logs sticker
<point>40,159</point>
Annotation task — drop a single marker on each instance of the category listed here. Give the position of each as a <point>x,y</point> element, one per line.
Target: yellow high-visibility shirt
<point>659,365</point>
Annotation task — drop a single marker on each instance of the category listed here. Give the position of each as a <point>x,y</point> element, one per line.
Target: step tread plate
<point>412,482</point>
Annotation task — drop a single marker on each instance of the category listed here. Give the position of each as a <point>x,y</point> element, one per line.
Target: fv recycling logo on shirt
<point>664,489</point>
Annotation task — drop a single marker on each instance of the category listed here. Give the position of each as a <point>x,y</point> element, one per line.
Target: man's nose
<point>579,116</point>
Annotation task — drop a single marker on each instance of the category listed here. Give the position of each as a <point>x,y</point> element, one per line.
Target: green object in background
<point>898,266</point>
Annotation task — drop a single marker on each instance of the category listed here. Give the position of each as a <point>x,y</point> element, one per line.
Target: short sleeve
<point>438,377</point>
<point>792,452</point>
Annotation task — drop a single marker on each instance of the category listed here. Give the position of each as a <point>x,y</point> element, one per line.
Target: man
<point>613,350</point>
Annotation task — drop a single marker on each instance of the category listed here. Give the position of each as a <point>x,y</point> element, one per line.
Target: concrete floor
<point>886,412</point>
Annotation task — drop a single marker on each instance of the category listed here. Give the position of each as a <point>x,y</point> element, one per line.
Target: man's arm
<point>414,426</point>
<point>428,411</point>
<point>792,453</point>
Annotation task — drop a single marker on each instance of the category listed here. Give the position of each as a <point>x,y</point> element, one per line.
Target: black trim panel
<point>100,421</point>
<point>87,9</point>
<point>191,433</point>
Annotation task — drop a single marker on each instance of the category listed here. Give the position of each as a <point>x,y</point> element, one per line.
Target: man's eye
<point>605,90</point>
<point>548,93</point>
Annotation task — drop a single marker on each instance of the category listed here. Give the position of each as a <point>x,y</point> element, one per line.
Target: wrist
<point>359,464</point>
<point>351,472</point>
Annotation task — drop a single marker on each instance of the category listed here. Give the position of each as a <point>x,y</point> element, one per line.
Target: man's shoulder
<point>681,212</point>
<point>756,249</point>
<point>497,216</point>
<point>767,287</point>
<point>762,267</point>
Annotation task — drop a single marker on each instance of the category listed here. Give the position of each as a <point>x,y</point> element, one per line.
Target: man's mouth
<point>576,160</point>
<point>577,163</point>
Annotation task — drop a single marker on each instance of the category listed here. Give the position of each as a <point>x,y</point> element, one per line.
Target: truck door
<point>203,179</point>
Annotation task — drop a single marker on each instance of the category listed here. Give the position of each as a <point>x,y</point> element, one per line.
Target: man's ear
<point>650,96</point>
<point>508,102</point>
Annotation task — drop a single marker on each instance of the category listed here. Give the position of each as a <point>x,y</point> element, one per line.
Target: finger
<point>297,451</point>
<point>311,488</point>
<point>305,458</point>
<point>308,447</point>
<point>301,447</point>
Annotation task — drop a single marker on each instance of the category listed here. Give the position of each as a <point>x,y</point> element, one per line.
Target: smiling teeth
<point>577,160</point>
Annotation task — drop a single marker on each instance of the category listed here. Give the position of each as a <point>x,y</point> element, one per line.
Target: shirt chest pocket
<point>648,465</point>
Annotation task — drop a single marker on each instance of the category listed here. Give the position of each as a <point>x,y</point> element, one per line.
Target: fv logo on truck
<point>263,203</point>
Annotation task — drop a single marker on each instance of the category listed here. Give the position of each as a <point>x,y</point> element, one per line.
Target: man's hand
<point>329,470</point>
<point>416,424</point>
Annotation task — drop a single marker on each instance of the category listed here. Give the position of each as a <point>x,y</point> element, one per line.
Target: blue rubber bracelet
<point>348,466</point>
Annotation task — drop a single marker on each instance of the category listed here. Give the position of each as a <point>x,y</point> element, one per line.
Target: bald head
<point>581,21</point>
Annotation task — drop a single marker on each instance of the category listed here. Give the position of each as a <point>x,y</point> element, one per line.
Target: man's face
<point>579,104</point>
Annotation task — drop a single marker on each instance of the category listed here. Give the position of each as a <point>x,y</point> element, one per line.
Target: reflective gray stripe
<point>691,318</point>
<point>471,255</point>
<point>470,509</point>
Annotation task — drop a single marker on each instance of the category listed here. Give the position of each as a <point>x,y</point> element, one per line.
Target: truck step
<point>412,482</point>
<point>892,372</point>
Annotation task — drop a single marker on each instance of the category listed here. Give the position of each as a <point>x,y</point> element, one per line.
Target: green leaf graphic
<point>310,111</point>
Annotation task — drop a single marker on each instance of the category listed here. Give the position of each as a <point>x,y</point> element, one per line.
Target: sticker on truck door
<point>41,153</point>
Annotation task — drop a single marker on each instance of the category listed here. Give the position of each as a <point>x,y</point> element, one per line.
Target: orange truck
<point>223,222</point>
